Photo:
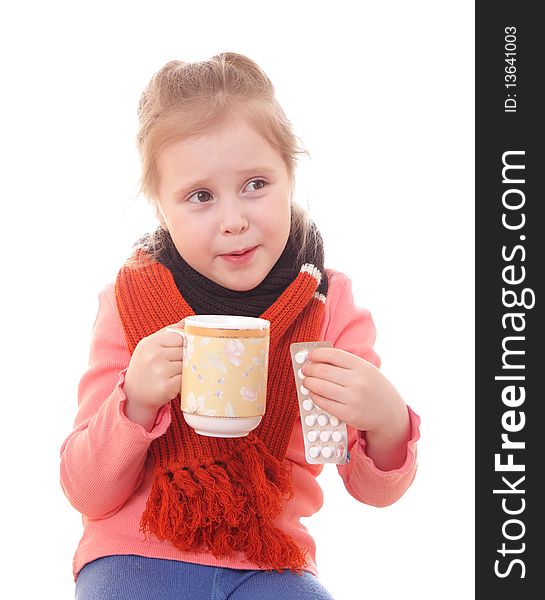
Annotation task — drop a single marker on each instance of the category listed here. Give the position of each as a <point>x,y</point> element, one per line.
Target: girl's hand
<point>356,392</point>
<point>154,375</point>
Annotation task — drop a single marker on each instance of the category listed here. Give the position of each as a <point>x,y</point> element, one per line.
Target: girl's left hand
<point>354,391</point>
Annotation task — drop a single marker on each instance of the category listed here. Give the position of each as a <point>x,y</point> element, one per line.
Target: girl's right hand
<point>154,375</point>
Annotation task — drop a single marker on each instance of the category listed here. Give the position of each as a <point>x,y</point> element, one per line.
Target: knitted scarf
<point>224,494</point>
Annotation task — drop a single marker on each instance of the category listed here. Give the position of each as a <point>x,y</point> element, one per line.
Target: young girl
<point>168,513</point>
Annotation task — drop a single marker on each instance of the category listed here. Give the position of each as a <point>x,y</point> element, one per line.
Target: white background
<point>381,93</point>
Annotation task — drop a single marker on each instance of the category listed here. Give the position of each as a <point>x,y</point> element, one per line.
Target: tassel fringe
<point>225,507</point>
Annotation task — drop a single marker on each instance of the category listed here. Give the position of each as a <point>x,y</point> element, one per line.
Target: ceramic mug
<point>224,373</point>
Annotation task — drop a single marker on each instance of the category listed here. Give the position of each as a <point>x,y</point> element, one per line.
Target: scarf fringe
<point>226,506</point>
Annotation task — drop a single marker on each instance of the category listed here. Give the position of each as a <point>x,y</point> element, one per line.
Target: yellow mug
<point>224,373</point>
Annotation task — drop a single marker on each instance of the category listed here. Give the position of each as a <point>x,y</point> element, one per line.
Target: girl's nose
<point>234,218</point>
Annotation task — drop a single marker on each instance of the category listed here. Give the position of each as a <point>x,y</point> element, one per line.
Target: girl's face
<point>225,199</point>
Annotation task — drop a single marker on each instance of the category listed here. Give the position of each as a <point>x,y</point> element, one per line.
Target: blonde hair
<point>184,99</point>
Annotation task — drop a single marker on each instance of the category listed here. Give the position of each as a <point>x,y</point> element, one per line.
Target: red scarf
<point>224,494</point>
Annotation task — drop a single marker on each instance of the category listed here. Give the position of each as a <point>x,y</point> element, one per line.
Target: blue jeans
<point>130,577</point>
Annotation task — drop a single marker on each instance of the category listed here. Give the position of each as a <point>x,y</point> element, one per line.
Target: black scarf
<point>207,297</point>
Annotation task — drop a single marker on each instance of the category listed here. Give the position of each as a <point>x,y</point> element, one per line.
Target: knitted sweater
<point>106,472</point>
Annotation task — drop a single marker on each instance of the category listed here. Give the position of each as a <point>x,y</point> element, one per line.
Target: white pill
<point>322,420</point>
<point>301,356</point>
<point>325,435</point>
<point>337,436</point>
<point>314,451</point>
<point>308,404</point>
<point>334,421</point>
<point>304,390</point>
<point>300,374</point>
<point>310,420</point>
<point>312,435</point>
<point>327,452</point>
<point>340,451</point>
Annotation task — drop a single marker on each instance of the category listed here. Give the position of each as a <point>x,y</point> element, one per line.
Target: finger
<point>173,337</point>
<point>173,369</point>
<point>328,372</point>
<point>332,356</point>
<point>173,354</point>
<point>176,379</point>
<point>177,326</point>
<point>332,407</point>
<point>175,385</point>
<point>324,388</point>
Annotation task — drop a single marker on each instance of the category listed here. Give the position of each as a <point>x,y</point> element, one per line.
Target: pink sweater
<point>105,468</point>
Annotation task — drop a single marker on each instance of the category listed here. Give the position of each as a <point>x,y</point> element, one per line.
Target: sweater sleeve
<point>103,458</point>
<point>351,328</point>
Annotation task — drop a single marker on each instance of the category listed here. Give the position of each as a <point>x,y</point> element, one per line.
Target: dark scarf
<point>207,297</point>
<point>224,494</point>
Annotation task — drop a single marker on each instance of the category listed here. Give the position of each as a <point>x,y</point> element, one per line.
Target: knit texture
<point>207,297</point>
<point>224,494</point>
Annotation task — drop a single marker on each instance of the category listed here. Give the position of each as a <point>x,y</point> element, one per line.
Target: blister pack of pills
<point>325,436</point>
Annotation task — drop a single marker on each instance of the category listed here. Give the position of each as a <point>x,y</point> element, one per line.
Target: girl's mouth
<point>240,257</point>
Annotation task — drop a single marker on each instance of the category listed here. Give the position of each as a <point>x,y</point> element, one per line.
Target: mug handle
<point>180,332</point>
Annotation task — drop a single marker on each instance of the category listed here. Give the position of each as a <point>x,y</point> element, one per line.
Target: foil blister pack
<point>325,436</point>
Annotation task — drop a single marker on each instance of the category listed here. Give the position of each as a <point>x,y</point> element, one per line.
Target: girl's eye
<point>256,184</point>
<point>200,197</point>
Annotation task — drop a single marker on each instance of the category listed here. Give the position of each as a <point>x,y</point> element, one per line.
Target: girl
<point>168,513</point>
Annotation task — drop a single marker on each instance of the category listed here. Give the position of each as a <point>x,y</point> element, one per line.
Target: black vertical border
<point>497,132</point>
